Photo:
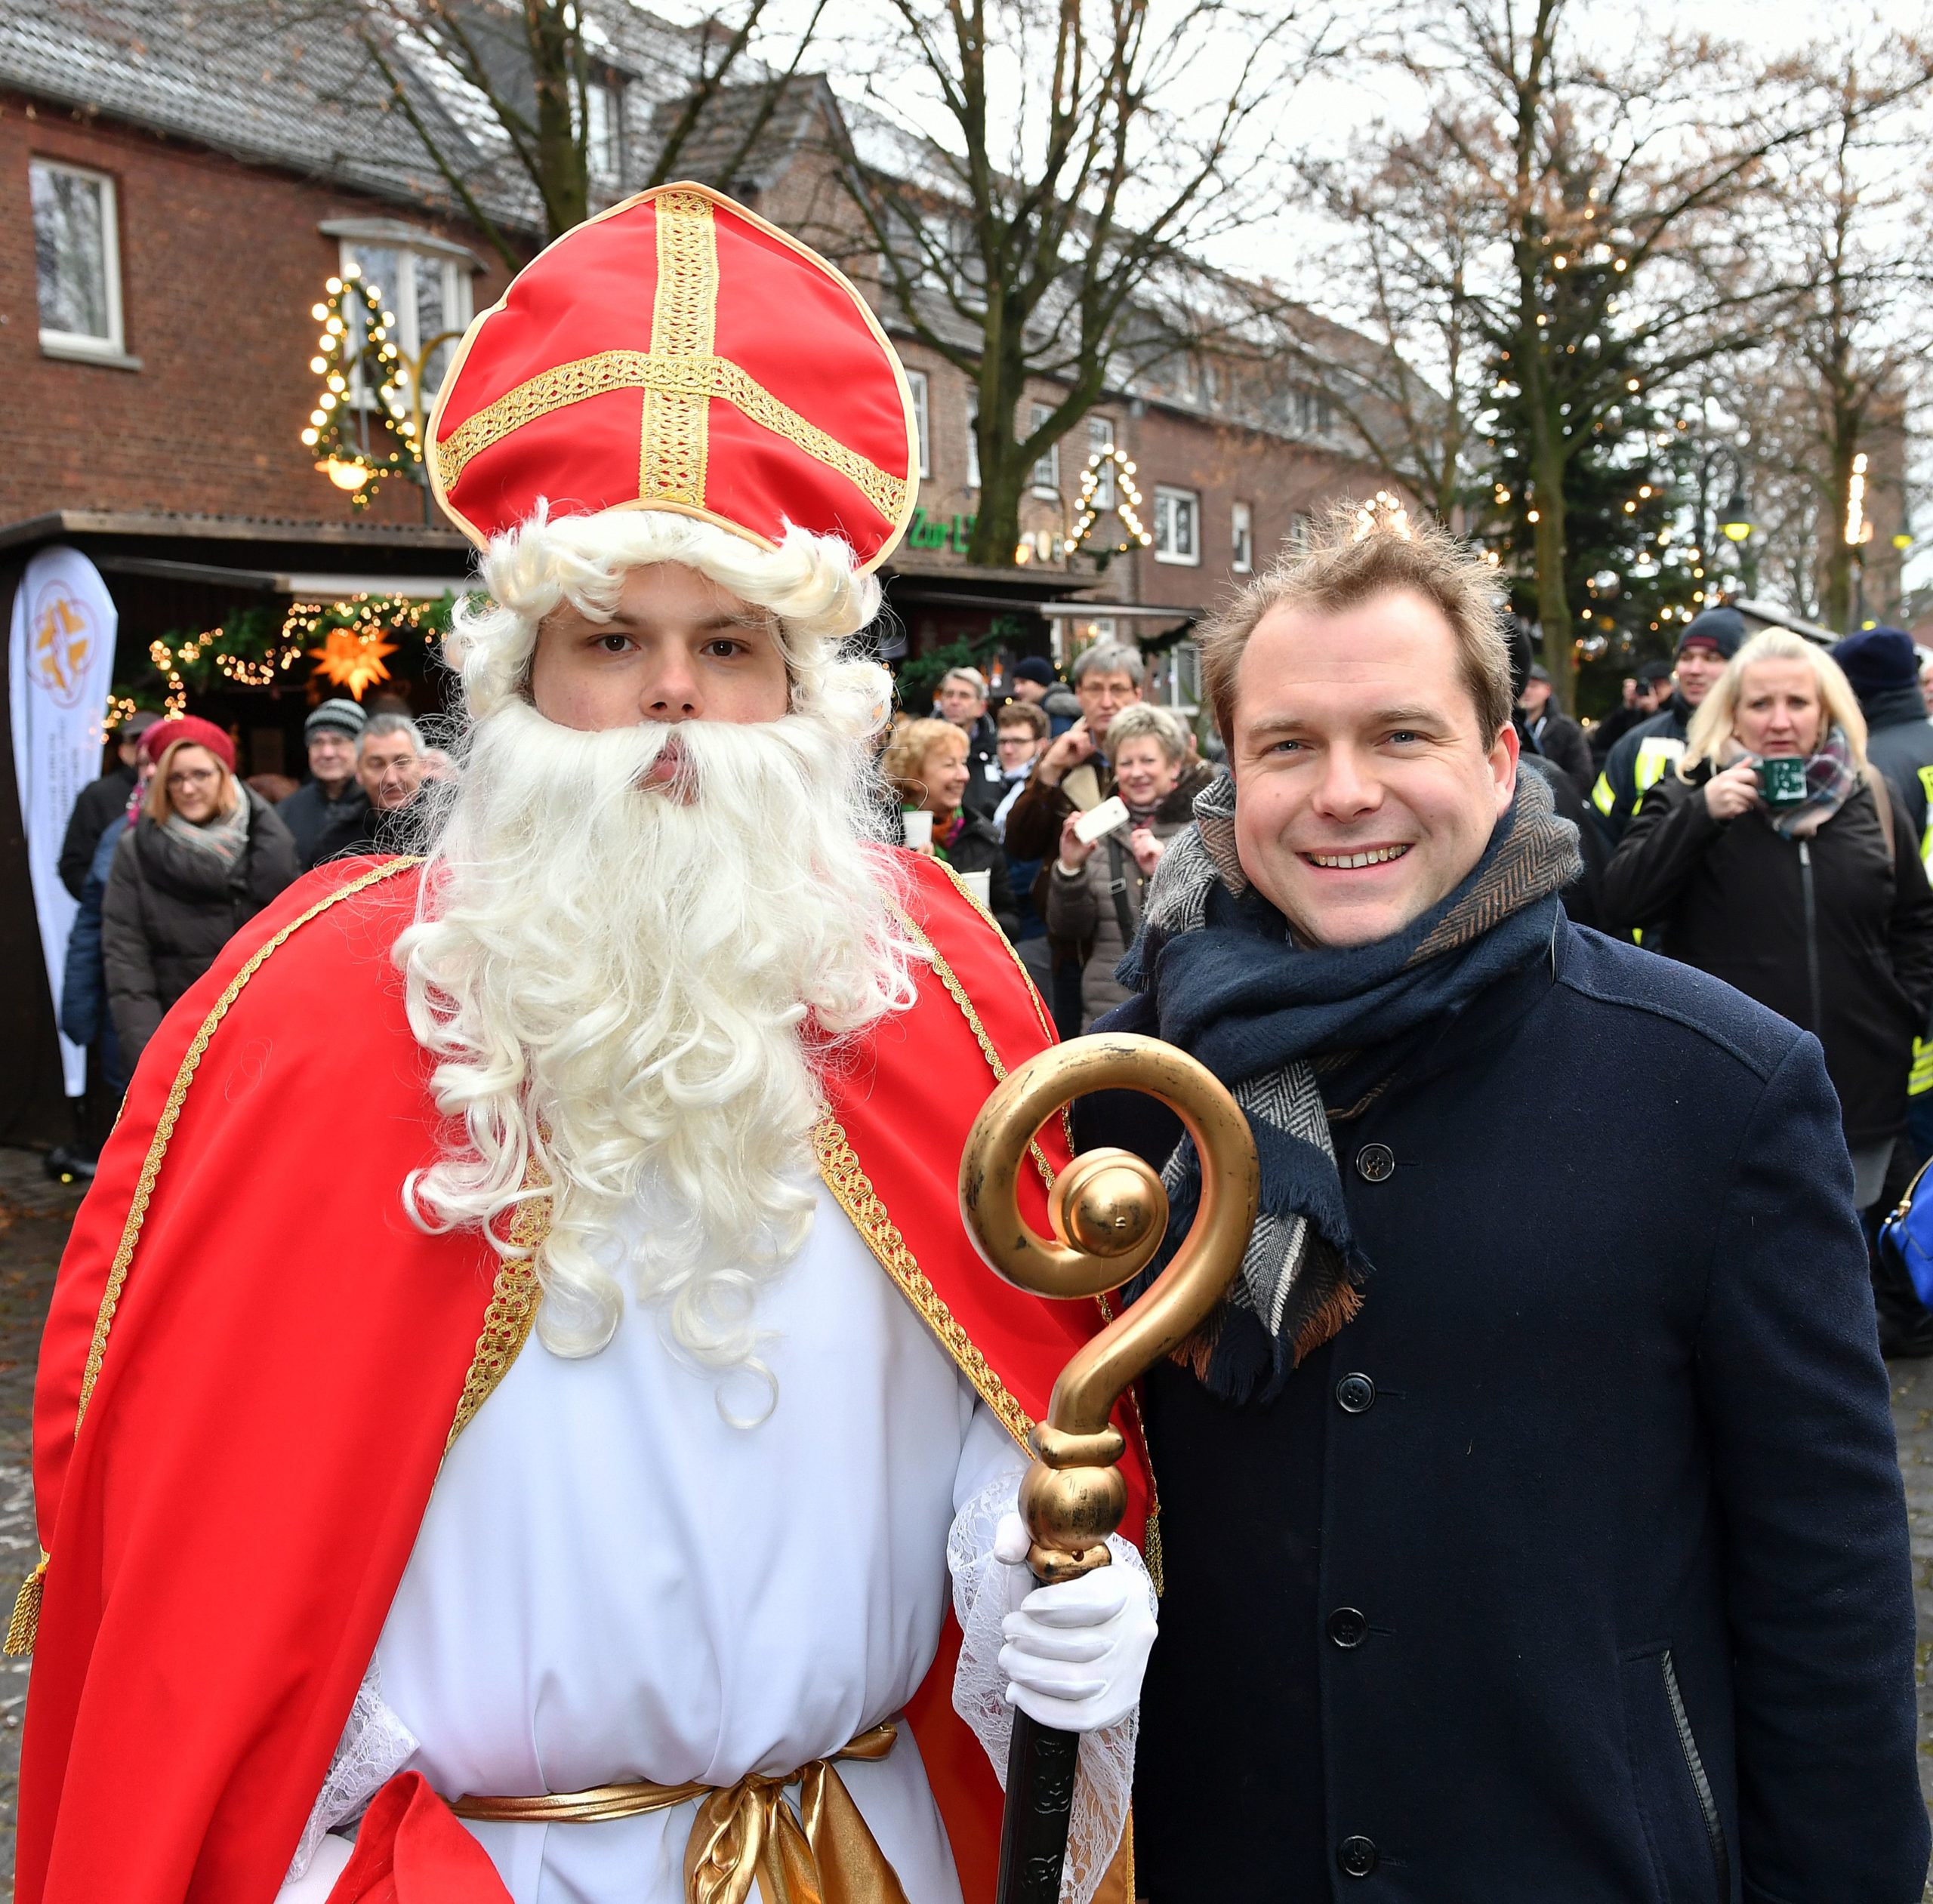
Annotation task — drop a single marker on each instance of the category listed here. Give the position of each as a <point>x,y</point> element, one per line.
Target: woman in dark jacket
<point>1819,908</point>
<point>207,854</point>
<point>1095,891</point>
<point>926,765</point>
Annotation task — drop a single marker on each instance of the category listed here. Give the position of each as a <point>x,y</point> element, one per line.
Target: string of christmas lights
<point>339,427</point>
<point>349,640</point>
<point>1126,505</point>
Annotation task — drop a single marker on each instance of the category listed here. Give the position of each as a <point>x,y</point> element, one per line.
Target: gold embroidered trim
<point>1019,965</point>
<point>512,1312</point>
<point>674,438</point>
<point>171,1113</point>
<point>715,376</point>
<point>845,1177</point>
<point>944,973</point>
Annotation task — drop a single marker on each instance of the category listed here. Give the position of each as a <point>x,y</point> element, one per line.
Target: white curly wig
<point>811,583</point>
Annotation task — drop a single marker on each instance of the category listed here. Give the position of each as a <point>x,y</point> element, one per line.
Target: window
<point>1174,678</point>
<point>917,381</point>
<point>1045,478</point>
<point>77,258</point>
<point>1241,538</point>
<point>1100,440</point>
<point>1301,524</point>
<point>425,281</point>
<point>972,442</point>
<point>1315,415</point>
<point>1177,526</point>
<point>604,131</point>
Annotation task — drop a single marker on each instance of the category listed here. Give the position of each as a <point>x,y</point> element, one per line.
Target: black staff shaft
<point>1040,1798</point>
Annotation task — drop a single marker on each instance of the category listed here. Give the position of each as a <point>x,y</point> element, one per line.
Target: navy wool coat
<point>1574,1569</point>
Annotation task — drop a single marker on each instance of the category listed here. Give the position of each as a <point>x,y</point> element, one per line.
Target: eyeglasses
<point>191,776</point>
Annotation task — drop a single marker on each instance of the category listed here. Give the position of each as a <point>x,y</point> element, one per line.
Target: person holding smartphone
<point>1777,859</point>
<point>1098,885</point>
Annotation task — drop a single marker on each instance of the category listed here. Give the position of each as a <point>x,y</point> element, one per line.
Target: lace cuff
<point>375,1746</point>
<point>984,1590</point>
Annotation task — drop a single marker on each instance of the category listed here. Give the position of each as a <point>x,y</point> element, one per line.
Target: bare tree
<point>1854,201</point>
<point>1604,205</point>
<point>1042,235</point>
<point>1405,276</point>
<point>530,98</point>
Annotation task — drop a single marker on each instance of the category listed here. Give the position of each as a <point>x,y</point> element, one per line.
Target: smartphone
<point>1112,812</point>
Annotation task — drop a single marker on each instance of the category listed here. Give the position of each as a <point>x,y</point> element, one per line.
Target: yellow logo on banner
<point>60,639</point>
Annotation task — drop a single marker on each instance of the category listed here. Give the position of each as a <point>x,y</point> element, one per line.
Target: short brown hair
<point>1022,714</point>
<point>1356,553</point>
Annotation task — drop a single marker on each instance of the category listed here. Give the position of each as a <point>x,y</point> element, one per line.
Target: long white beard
<point>637,986</point>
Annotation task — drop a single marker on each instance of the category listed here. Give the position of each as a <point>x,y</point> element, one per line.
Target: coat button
<point>1348,1627</point>
<point>1355,1394</point>
<point>1357,1856</point>
<point>1376,1163</point>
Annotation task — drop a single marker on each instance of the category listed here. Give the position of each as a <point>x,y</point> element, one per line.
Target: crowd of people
<point>171,852</point>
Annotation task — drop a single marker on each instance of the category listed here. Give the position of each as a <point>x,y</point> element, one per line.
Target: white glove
<point>1075,1653</point>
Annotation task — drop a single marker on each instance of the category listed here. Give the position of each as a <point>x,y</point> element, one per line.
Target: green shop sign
<point>939,532</point>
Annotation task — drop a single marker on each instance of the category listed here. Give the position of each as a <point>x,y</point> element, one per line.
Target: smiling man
<point>1563,1560</point>
<point>521,1419</point>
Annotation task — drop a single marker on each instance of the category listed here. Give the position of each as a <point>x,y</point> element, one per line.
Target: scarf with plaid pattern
<point>1292,1029</point>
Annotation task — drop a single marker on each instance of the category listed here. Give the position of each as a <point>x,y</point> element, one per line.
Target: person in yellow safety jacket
<point>1882,664</point>
<point>1642,758</point>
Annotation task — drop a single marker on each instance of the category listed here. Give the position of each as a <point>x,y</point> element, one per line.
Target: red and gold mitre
<point>678,353</point>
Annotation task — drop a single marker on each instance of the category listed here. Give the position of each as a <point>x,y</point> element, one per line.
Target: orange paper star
<point>352,658</point>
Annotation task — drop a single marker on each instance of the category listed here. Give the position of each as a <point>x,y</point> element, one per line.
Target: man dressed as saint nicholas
<point>520,1418</point>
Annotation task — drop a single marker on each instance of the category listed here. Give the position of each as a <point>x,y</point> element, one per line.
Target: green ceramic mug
<point>1783,781</point>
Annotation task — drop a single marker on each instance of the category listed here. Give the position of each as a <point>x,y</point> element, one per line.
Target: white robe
<point>613,1582</point>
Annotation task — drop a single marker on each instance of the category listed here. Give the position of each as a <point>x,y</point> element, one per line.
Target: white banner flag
<point>60,666</point>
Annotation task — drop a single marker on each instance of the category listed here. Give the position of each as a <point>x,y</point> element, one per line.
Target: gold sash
<point>820,1853</point>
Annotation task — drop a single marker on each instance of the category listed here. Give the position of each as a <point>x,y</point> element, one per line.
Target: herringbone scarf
<point>1219,974</point>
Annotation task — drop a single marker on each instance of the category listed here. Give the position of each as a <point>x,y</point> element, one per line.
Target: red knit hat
<point>678,353</point>
<point>163,734</point>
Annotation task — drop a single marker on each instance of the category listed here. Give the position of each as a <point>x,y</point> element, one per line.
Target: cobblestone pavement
<point>34,1215</point>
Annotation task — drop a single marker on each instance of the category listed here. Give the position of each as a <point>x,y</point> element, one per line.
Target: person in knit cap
<point>1640,760</point>
<point>205,855</point>
<point>331,811</point>
<point>1882,665</point>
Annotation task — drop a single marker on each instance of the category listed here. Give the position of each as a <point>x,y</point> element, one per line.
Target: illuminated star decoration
<point>352,658</point>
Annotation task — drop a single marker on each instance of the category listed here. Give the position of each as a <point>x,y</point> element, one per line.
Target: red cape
<point>265,1361</point>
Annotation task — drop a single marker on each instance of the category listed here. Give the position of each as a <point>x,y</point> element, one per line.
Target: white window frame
<point>972,442</point>
<point>1167,499</point>
<point>401,298</point>
<point>1044,478</point>
<point>1241,537</point>
<point>1101,437</point>
<point>1171,674</point>
<point>916,382</point>
<point>604,131</point>
<point>112,348</point>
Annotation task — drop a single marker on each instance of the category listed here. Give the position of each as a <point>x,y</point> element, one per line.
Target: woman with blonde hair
<point>1777,860</point>
<point>925,764</point>
<point>205,854</point>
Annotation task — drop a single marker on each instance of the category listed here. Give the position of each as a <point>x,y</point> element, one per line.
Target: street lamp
<point>1737,524</point>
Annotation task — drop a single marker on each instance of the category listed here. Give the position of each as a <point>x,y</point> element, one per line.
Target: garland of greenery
<point>347,640</point>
